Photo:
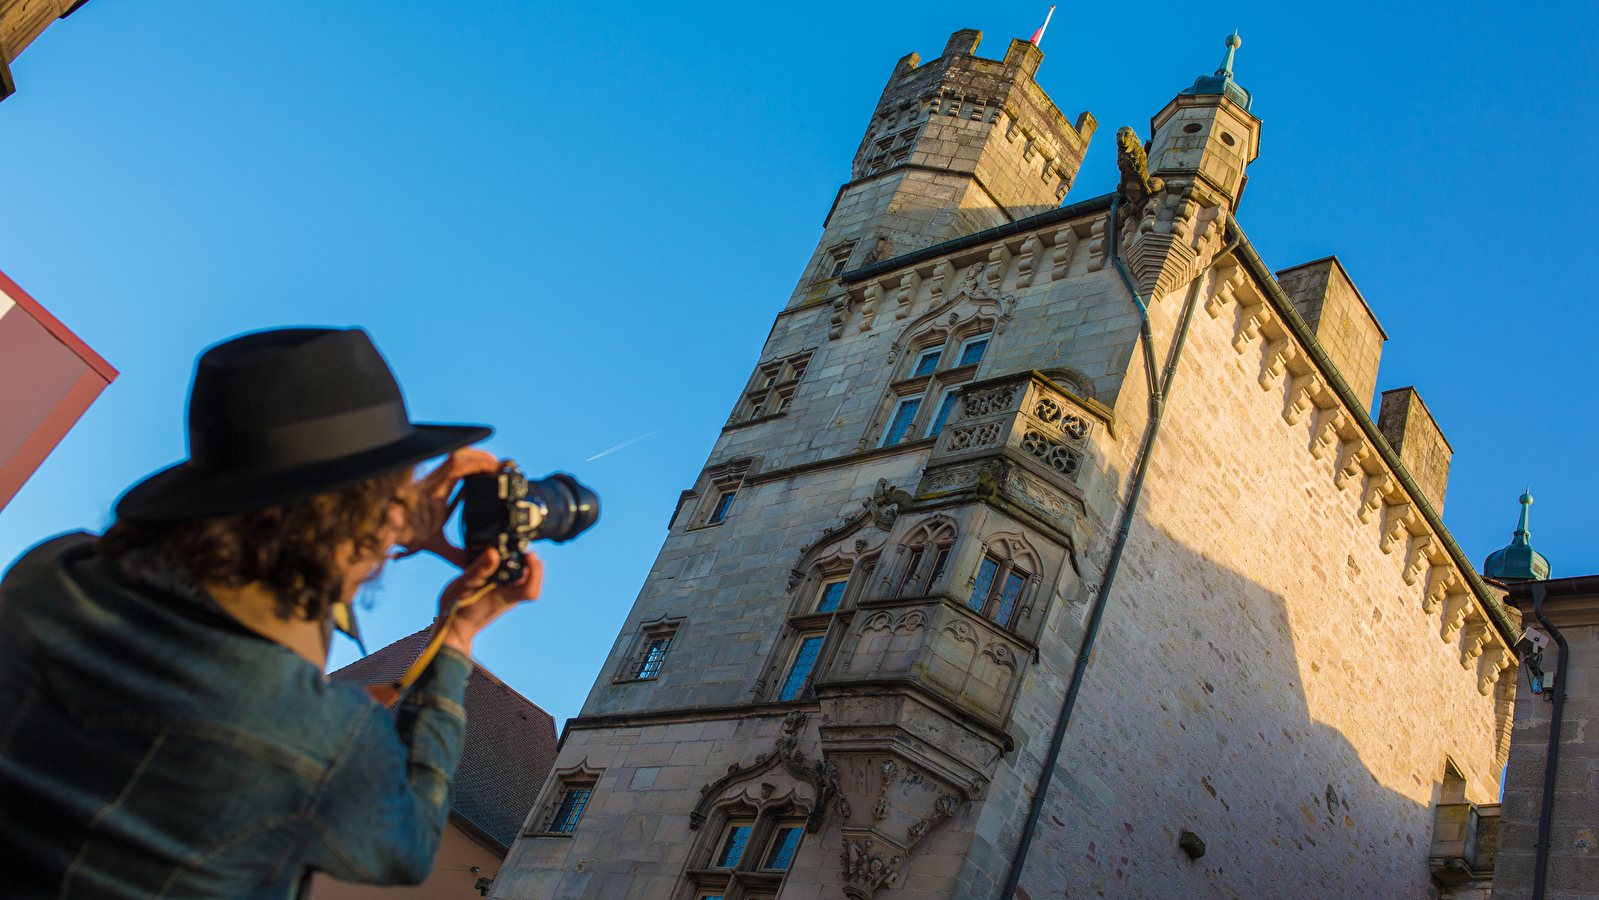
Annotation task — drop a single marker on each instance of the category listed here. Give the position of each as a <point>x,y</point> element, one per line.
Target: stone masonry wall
<point>1268,676</point>
<point>1262,651</point>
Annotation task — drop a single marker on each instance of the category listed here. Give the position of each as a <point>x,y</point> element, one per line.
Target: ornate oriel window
<point>929,547</point>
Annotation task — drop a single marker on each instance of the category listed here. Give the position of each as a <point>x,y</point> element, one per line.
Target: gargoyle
<point>884,497</point>
<point>1137,185</point>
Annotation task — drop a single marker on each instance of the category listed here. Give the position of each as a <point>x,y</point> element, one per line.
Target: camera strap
<point>386,694</point>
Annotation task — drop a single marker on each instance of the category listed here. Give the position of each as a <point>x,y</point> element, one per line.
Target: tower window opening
<point>1227,139</point>
<point>574,799</point>
<point>799,673</point>
<point>832,595</point>
<point>1191,128</point>
<point>972,351</point>
<point>900,424</point>
<point>984,583</point>
<point>733,846</point>
<point>784,845</point>
<point>944,408</point>
<point>719,513</point>
<point>654,654</point>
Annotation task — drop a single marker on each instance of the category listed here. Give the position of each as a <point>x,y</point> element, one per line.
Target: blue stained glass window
<point>733,848</point>
<point>973,352</point>
<point>722,503</point>
<point>783,846</point>
<point>985,583</point>
<point>927,363</point>
<point>654,655</point>
<point>804,661</point>
<point>943,413</point>
<point>832,595</point>
<point>1007,598</point>
<point>903,416</point>
<point>571,809</point>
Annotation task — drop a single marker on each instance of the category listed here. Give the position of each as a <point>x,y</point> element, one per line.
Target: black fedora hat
<point>280,416</point>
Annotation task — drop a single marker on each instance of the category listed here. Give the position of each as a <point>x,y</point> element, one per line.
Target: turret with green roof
<point>1518,561</point>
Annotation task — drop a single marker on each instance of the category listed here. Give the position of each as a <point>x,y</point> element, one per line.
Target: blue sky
<point>577,224</point>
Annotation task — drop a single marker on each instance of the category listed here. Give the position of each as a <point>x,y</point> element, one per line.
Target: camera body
<point>507,511</point>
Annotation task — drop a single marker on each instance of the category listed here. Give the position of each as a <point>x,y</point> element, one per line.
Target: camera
<point>506,511</point>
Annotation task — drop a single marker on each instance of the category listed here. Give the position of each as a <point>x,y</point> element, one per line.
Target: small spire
<point>1039,34</point>
<point>1233,43</point>
<point>1523,536</point>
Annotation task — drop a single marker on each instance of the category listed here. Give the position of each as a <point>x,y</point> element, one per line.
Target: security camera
<point>1531,641</point>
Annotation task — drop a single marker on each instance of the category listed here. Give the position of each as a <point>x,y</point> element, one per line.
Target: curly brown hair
<point>290,549</point>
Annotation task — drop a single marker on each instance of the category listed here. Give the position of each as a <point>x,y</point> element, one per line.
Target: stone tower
<point>845,670</point>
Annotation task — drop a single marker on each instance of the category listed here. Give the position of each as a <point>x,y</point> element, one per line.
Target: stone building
<point>845,671</point>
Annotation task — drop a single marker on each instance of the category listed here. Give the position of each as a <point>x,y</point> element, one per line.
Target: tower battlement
<point>955,146</point>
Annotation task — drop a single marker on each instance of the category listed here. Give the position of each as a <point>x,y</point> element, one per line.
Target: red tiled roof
<point>510,741</point>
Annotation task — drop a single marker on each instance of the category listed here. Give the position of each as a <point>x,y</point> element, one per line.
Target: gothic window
<point>771,390</point>
<point>945,404</point>
<point>650,648</point>
<point>930,547</point>
<point>832,594</point>
<point>900,423</point>
<point>797,683</point>
<point>724,501</point>
<point>1000,584</point>
<point>751,855</point>
<point>930,381</point>
<point>718,489</point>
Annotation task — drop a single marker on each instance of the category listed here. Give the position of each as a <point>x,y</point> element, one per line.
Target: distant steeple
<point>1518,561</point>
<point>1222,81</point>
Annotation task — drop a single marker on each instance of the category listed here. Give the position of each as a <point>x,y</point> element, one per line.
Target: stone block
<point>1410,429</point>
<point>1338,315</point>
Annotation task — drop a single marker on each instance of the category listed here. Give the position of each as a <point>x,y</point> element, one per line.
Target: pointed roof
<point>1517,561</point>
<point>1222,81</point>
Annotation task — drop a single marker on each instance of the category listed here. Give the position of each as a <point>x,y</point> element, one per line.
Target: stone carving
<point>1061,258</point>
<point>1052,412</point>
<point>1064,460</point>
<point>973,437</point>
<point>909,283</point>
<point>1027,263</point>
<point>998,261</point>
<point>866,872</point>
<point>872,298</point>
<point>943,274</point>
<point>988,402</point>
<point>789,739</point>
<point>785,756</point>
<point>1136,185</point>
<point>835,324</point>
<point>943,809</point>
<point>1376,489</point>
<point>1351,469</point>
<point>885,501</point>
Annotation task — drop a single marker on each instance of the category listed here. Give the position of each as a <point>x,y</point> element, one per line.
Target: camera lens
<point>570,508</point>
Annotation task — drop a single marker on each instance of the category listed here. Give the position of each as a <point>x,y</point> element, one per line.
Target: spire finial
<point>1523,534</point>
<point>1233,43</point>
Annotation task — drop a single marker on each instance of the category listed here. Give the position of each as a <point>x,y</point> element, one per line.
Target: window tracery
<point>944,355</point>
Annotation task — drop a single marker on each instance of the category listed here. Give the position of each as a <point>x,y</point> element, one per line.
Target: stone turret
<point>1207,132</point>
<point>955,146</point>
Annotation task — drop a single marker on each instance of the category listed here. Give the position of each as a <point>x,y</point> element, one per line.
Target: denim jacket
<point>151,749</point>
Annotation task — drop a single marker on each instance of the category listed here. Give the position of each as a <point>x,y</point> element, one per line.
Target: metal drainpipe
<point>1540,870</point>
<point>1158,390</point>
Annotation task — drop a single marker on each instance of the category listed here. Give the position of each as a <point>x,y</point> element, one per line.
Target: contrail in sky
<point>620,446</point>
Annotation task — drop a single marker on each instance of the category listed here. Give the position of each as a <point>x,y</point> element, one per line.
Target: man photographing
<point>165,726</point>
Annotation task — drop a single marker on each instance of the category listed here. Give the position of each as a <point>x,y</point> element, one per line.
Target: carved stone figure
<point>1136,184</point>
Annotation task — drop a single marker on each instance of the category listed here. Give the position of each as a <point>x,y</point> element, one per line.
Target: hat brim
<point>186,491</point>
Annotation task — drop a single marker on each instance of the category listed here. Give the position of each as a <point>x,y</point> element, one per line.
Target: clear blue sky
<point>578,223</point>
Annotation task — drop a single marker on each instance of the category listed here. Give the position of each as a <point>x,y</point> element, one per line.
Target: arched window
<point>748,842</point>
<point>938,361</point>
<point>1005,579</point>
<point>929,547</point>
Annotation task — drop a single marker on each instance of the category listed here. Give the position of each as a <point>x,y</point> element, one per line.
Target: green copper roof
<point>1518,561</point>
<point>1222,82</point>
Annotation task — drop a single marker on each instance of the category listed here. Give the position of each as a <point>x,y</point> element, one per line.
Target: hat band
<point>309,441</point>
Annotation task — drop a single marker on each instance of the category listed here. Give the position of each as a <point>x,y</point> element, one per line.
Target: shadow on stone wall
<point>1196,716</point>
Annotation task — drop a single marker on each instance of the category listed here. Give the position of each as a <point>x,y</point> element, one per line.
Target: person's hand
<point>433,503</point>
<point>469,620</point>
